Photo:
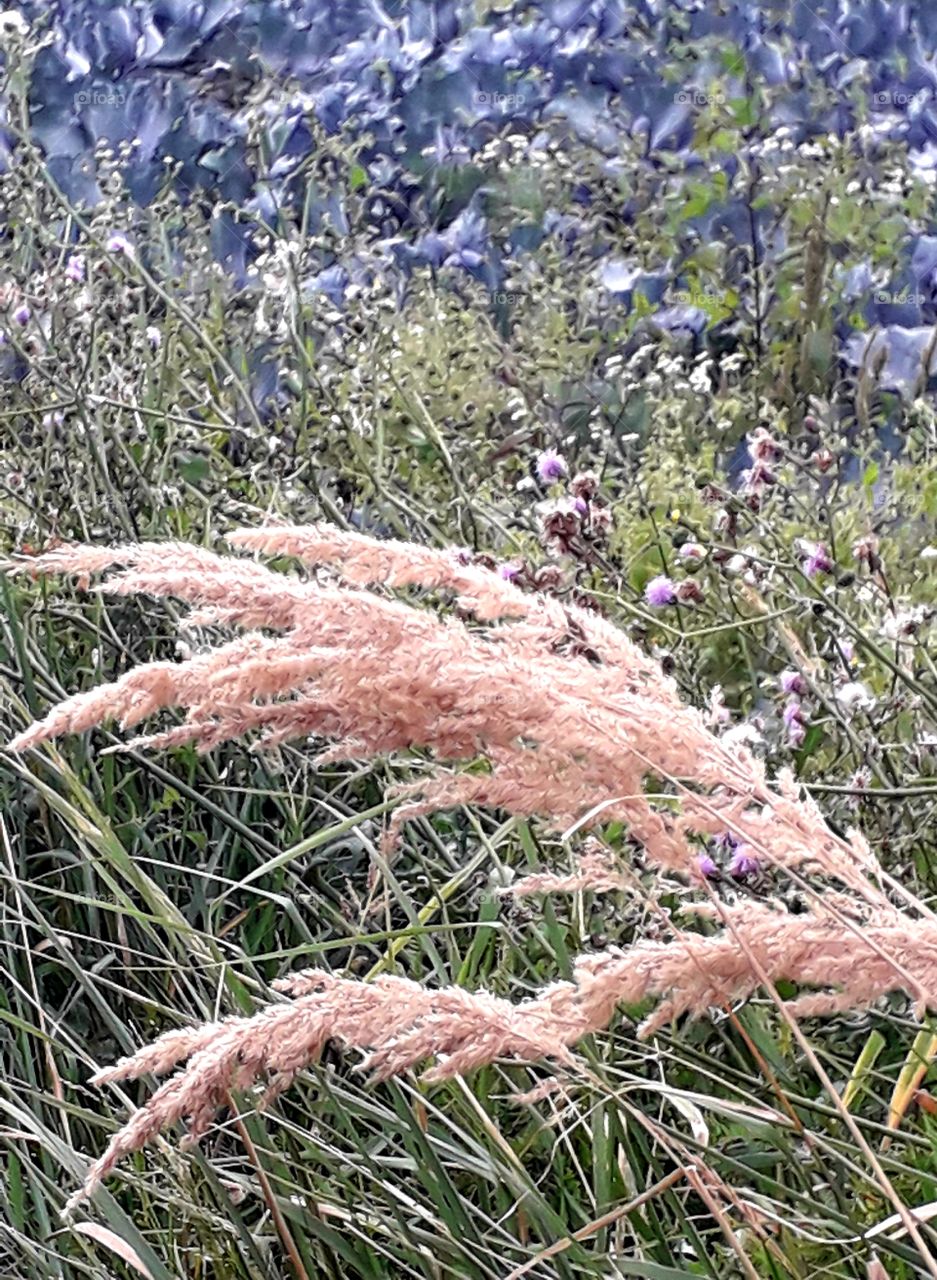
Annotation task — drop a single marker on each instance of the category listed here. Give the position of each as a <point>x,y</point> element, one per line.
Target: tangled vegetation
<point>689,397</point>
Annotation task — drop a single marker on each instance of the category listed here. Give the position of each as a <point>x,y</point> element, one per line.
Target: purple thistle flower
<point>727,842</point>
<point>509,572</point>
<point>744,863</point>
<point>707,867</point>
<point>117,242</point>
<point>818,561</point>
<point>660,592</point>
<point>796,733</point>
<point>75,268</point>
<point>792,682</point>
<point>792,714</point>
<point>22,313</point>
<point>551,466</point>
<point>581,507</point>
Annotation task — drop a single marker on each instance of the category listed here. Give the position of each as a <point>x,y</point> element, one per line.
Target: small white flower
<point>10,20</point>
<point>854,696</point>
<point>907,622</point>
<point>721,521</point>
<point>699,379</point>
<point>718,712</point>
<point>742,735</point>
<point>692,551</point>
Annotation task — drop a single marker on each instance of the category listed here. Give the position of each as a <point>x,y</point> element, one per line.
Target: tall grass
<point>140,889</point>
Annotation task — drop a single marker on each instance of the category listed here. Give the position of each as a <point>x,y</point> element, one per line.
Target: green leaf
<point>744,111</point>
<point>196,468</point>
<point>863,1067</point>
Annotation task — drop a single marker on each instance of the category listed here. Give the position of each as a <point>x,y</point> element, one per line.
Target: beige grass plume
<point>571,716</point>
<point>402,1024</point>
<point>596,871</point>
<point>383,647</point>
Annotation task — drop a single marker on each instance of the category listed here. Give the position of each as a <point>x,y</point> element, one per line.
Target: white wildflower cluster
<point>907,623</point>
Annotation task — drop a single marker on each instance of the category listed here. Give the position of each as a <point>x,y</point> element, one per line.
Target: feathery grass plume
<point>572,718</point>
<point>365,561</point>
<point>401,1024</point>
<point>571,715</point>
<point>596,871</point>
